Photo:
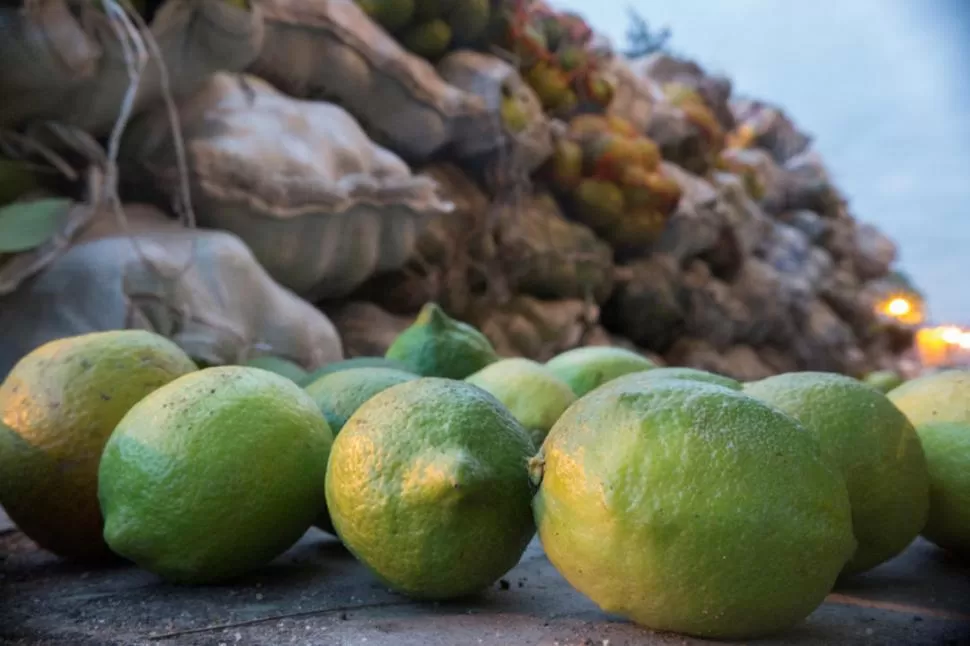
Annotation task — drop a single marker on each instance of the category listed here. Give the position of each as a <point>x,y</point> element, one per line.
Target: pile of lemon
<point>681,499</point>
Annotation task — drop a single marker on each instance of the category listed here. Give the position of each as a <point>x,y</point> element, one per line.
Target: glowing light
<point>964,341</point>
<point>903,308</point>
<point>951,335</point>
<point>899,307</point>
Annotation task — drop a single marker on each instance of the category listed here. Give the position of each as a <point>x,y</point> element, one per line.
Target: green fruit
<point>392,15</point>
<point>468,20</point>
<point>572,58</point>
<point>550,84</point>
<point>280,366</point>
<point>340,394</point>
<point>939,407</point>
<point>689,507</point>
<point>552,31</point>
<point>587,368</point>
<point>436,345</point>
<point>214,475</point>
<point>534,396</point>
<point>16,180</point>
<point>428,40</point>
<point>566,165</point>
<point>692,374</point>
<point>514,117</point>
<point>427,485</point>
<point>58,406</point>
<point>431,9</point>
<point>350,364</point>
<point>874,445</point>
<point>883,380</point>
<point>599,204</point>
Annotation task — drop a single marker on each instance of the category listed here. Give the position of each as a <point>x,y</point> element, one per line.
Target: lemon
<point>693,374</point>
<point>587,368</point>
<point>279,365</point>
<point>214,474</point>
<point>340,394</point>
<point>534,396</point>
<point>427,485</point>
<point>436,345</point>
<point>692,508</point>
<point>939,407</point>
<point>883,380</point>
<point>350,364</point>
<point>875,447</point>
<point>58,406</point>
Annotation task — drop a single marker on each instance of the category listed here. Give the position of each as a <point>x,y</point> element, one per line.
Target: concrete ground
<point>318,595</point>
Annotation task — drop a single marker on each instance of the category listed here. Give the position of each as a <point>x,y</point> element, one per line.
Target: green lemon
<point>534,396</point>
<point>693,374</point>
<point>392,15</point>
<point>883,380</point>
<point>428,39</point>
<point>350,364</point>
<point>433,8</point>
<point>339,395</point>
<point>875,447</point>
<point>214,474</point>
<point>436,345</point>
<point>939,407</point>
<point>469,21</point>
<point>58,406</point>
<point>280,366</point>
<point>427,485</point>
<point>590,367</point>
<point>692,508</point>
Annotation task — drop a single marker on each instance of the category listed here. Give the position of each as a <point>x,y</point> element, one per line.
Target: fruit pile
<point>431,28</point>
<point>719,509</point>
<point>611,180</point>
<point>554,55</point>
<point>697,112</point>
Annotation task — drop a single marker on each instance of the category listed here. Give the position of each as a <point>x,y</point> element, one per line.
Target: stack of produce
<point>431,28</point>
<point>439,463</point>
<point>700,115</point>
<point>555,55</point>
<point>611,178</point>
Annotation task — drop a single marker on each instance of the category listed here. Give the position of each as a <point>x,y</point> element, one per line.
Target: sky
<point>883,86</point>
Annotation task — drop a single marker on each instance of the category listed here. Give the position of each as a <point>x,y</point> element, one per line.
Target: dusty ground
<point>317,595</point>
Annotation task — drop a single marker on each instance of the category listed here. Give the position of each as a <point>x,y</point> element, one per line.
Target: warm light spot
<point>899,307</point>
<point>951,335</point>
<point>903,308</point>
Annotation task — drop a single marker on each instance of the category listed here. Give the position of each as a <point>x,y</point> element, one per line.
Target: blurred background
<point>883,86</point>
<point>749,187</point>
